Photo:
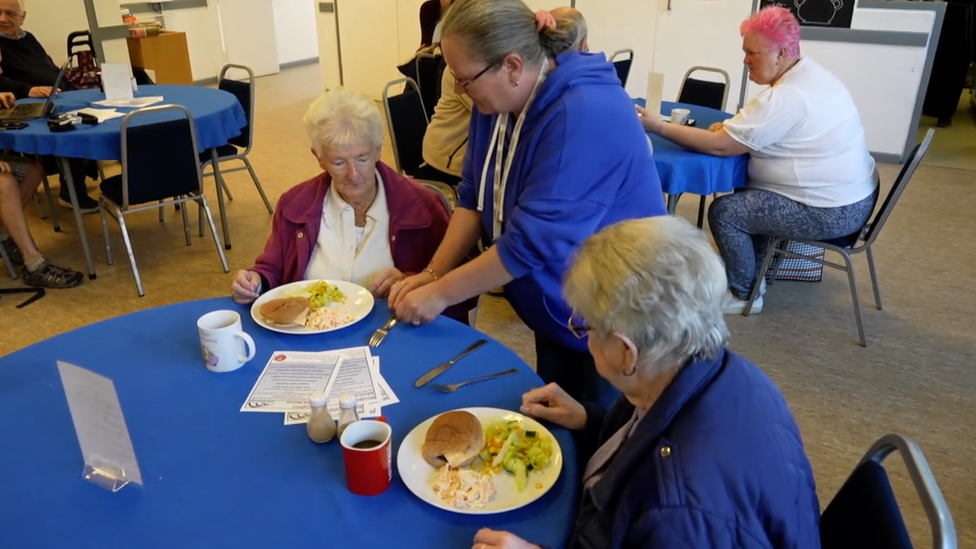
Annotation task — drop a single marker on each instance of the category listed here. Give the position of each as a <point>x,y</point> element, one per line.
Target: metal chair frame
<point>630,58</point>
<point>408,83</point>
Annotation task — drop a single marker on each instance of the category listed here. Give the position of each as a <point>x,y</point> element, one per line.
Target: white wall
<point>52,20</point>
<point>328,45</point>
<point>295,30</point>
<point>202,38</point>
<point>623,24</point>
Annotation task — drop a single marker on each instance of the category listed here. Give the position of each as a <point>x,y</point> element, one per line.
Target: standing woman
<point>554,155</point>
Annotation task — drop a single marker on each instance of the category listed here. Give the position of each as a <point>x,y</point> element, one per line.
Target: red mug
<point>367,450</point>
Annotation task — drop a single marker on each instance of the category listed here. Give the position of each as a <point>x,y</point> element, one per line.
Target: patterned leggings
<point>743,222</point>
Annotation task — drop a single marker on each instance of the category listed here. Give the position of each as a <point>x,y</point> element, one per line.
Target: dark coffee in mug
<point>366,444</point>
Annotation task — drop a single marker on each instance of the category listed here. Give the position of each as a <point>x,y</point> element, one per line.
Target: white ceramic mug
<point>680,116</point>
<point>224,344</point>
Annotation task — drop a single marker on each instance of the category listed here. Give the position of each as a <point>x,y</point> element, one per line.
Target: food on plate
<point>516,449</point>
<point>286,311</point>
<point>322,294</point>
<point>327,318</point>
<point>464,487</point>
<point>455,439</point>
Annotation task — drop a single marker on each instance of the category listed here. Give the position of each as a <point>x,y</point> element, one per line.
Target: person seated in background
<point>26,65</point>
<point>446,140</point>
<point>19,178</point>
<point>665,466</point>
<point>810,174</point>
<point>358,221</point>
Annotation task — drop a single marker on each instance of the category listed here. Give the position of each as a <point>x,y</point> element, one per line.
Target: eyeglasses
<point>577,327</point>
<point>468,81</point>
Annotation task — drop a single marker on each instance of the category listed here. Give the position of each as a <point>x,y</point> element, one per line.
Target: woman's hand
<point>7,99</point>
<point>651,121</point>
<point>244,290</point>
<point>399,290</point>
<point>716,127</point>
<point>552,403</point>
<point>486,538</point>
<point>420,305</point>
<point>384,281</point>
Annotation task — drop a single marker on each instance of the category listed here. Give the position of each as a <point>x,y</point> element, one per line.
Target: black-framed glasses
<point>468,81</point>
<point>579,328</point>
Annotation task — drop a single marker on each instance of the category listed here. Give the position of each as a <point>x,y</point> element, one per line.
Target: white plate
<point>417,473</point>
<point>359,303</point>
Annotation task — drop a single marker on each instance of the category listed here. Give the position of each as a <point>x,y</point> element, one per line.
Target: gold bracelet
<point>431,272</point>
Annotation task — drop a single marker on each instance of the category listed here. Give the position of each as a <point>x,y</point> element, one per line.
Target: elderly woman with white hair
<point>701,449</point>
<point>358,221</point>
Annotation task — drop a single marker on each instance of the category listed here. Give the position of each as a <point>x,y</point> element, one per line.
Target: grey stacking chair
<point>848,246</point>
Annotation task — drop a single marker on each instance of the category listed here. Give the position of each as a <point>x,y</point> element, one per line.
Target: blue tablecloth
<point>217,114</point>
<point>216,477</point>
<point>684,171</point>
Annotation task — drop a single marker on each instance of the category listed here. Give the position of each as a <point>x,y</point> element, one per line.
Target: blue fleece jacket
<point>582,164</point>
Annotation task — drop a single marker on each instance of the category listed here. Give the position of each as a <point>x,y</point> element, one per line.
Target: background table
<point>217,116</point>
<point>217,477</point>
<point>684,171</point>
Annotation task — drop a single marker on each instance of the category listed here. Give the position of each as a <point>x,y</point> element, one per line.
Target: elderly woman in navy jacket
<point>701,449</point>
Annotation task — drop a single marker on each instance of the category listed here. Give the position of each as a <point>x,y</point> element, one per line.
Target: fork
<point>455,386</point>
<point>380,334</point>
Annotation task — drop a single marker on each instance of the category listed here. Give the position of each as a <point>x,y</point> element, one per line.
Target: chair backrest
<point>865,513</point>
<point>904,176</point>
<point>244,92</point>
<point>407,120</point>
<point>430,73</point>
<point>440,192</point>
<point>159,155</point>
<point>80,41</point>
<point>622,66</point>
<point>704,93</point>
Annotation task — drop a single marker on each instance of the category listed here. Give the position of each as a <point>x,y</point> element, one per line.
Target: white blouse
<point>344,251</point>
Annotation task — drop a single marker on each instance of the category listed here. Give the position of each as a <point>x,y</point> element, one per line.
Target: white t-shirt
<point>344,251</point>
<point>806,139</point>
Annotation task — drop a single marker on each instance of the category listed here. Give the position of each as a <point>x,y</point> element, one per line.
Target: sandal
<point>52,276</point>
<point>13,252</point>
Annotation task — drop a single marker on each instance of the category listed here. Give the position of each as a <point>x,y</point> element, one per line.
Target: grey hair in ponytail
<point>492,29</point>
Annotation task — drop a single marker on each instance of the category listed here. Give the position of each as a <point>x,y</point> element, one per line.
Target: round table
<point>217,116</point>
<point>684,171</point>
<point>217,477</point>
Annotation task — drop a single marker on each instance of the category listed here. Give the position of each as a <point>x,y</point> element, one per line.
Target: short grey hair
<point>341,117</point>
<point>578,21</point>
<point>657,281</point>
<point>492,29</point>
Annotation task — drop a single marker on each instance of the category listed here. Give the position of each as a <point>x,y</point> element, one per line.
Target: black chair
<point>623,65</point>
<point>151,174</point>
<point>704,93</point>
<point>407,119</point>
<point>430,73</point>
<point>236,148</point>
<point>848,246</point>
<point>80,41</point>
<point>865,513</point>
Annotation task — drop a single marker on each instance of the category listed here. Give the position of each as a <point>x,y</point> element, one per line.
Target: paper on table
<point>289,379</point>
<point>98,420</point>
<point>117,81</point>
<point>101,114</point>
<point>355,377</point>
<point>655,92</point>
<point>386,394</point>
<point>130,102</point>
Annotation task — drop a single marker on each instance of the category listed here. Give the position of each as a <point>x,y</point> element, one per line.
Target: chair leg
<point>186,224</point>
<point>200,218</point>
<point>874,279</point>
<point>51,206</point>
<point>220,200</point>
<point>257,183</point>
<point>852,279</point>
<point>230,195</point>
<point>132,256</point>
<point>701,212</point>
<point>108,243</point>
<point>162,210</point>
<point>759,276</point>
<point>213,230</point>
<point>9,264</point>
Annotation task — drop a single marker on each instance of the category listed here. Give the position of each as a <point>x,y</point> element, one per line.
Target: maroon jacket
<point>418,221</point>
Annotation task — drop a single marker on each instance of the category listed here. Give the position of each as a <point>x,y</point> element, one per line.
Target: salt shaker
<point>348,411</point>
<point>321,427</point>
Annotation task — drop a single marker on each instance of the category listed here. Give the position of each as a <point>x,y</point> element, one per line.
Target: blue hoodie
<point>582,164</point>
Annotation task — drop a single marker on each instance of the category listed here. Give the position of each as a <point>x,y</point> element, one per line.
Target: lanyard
<point>503,169</point>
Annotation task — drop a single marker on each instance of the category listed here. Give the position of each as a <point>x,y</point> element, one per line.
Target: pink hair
<point>778,28</point>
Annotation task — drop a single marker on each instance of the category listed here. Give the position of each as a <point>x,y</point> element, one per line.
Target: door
<point>369,44</point>
<point>679,47</point>
<point>623,24</point>
<point>248,31</point>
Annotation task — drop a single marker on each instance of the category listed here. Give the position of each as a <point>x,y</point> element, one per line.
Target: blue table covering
<point>216,477</point>
<point>217,114</point>
<point>684,171</point>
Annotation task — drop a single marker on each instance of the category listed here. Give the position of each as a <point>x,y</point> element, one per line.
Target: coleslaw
<point>463,487</point>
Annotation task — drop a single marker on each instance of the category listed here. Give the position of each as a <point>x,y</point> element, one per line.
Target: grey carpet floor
<point>916,377</point>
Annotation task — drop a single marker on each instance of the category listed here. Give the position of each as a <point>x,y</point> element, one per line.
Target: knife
<point>438,370</point>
